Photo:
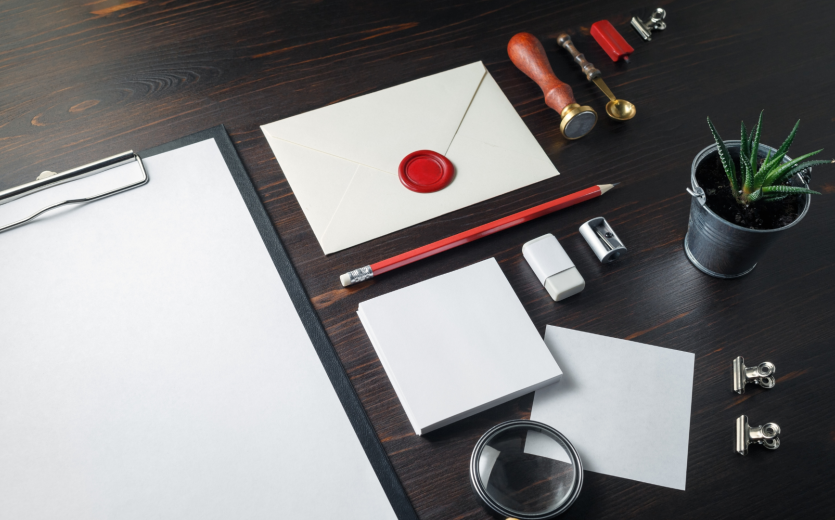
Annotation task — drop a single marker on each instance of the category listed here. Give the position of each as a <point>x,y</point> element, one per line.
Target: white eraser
<point>553,267</point>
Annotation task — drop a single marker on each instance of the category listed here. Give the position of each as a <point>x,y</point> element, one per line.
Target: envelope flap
<point>379,129</point>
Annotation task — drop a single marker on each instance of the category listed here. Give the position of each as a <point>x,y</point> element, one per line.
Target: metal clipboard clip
<point>48,180</point>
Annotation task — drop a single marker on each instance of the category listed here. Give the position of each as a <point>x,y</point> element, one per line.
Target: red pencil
<point>370,271</point>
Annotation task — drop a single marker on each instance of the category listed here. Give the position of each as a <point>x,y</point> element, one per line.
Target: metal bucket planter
<point>723,249</point>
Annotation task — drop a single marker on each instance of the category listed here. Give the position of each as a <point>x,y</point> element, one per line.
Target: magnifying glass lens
<point>525,469</point>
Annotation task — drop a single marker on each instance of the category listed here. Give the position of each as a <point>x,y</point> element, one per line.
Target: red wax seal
<point>426,171</point>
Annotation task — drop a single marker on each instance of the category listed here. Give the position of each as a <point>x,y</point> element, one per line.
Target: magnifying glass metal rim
<point>489,503</point>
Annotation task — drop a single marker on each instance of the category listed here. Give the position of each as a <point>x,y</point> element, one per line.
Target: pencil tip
<point>606,187</point>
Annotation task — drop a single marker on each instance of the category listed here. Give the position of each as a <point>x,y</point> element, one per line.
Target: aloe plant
<point>764,180</point>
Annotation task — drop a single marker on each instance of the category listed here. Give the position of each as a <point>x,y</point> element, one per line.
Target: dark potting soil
<point>758,215</point>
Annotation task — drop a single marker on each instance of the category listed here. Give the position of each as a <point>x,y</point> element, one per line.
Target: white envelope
<point>341,160</point>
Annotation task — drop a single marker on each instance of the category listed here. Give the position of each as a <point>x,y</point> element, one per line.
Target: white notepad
<point>457,344</point>
<point>624,405</point>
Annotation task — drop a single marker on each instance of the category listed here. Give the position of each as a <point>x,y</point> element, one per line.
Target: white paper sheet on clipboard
<point>152,364</point>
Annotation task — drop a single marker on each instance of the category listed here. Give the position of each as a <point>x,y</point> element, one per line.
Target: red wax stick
<point>610,39</point>
<point>364,273</point>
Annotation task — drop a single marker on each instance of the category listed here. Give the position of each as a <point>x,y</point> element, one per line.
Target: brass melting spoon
<point>618,109</point>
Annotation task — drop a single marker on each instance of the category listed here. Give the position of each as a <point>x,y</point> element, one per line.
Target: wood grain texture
<point>85,79</point>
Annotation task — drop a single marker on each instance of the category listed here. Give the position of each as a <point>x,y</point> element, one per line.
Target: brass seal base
<point>577,121</point>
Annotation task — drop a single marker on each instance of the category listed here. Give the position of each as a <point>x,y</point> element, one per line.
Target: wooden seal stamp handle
<point>564,41</point>
<point>527,53</point>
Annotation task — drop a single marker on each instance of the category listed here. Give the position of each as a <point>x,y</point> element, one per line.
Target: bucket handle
<point>698,194</point>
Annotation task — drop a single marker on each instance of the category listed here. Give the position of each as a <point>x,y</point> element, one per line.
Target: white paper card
<point>152,364</point>
<point>457,344</point>
<point>625,406</point>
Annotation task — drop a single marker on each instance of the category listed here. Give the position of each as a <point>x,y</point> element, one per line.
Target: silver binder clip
<point>656,23</point>
<point>602,240</point>
<point>767,435</point>
<point>49,179</point>
<point>762,374</point>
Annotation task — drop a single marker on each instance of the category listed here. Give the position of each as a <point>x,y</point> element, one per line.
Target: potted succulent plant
<point>745,194</point>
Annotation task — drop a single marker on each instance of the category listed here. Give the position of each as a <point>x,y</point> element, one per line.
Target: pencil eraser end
<point>553,267</point>
<point>345,279</point>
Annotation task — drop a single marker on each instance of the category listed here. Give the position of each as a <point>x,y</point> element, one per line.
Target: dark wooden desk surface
<point>83,79</point>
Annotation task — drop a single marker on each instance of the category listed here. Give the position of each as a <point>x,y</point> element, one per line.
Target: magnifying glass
<point>525,470</point>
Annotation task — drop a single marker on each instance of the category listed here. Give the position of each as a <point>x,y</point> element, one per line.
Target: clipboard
<point>336,374</point>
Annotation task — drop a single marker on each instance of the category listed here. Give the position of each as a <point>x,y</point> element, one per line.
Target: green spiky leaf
<point>765,169</point>
<point>774,196</point>
<point>725,157</point>
<point>759,175</point>
<point>747,174</point>
<point>781,172</point>
<point>787,190</point>
<point>754,147</point>
<point>784,148</point>
<point>799,168</point>
<point>754,197</point>
<point>743,146</point>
